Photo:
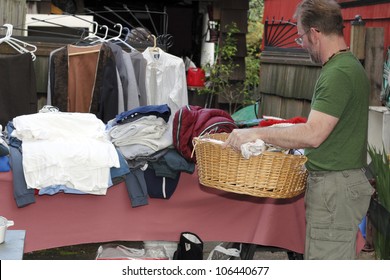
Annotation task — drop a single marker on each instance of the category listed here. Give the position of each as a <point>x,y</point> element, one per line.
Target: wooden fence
<point>13,12</point>
<point>288,77</point>
<point>287,81</point>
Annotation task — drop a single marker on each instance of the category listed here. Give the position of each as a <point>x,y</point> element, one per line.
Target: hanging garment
<point>121,101</point>
<point>122,76</point>
<point>139,66</point>
<point>165,79</point>
<point>18,92</point>
<point>100,87</point>
<point>165,83</point>
<point>81,80</point>
<point>50,85</point>
<point>132,99</point>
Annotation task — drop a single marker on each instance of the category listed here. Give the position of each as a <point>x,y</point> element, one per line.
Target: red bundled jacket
<point>193,121</point>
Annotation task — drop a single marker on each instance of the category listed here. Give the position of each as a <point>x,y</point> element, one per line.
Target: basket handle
<point>196,140</point>
<point>194,143</point>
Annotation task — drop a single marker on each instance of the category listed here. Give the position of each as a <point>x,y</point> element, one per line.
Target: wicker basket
<point>271,174</point>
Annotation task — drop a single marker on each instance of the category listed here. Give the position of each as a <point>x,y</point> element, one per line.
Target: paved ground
<point>88,252</point>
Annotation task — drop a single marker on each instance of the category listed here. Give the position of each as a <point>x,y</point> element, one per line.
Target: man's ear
<point>315,34</point>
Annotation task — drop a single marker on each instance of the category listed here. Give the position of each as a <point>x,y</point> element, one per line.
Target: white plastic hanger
<point>117,38</point>
<point>15,43</point>
<point>100,40</point>
<point>119,35</point>
<point>93,35</point>
<point>18,45</point>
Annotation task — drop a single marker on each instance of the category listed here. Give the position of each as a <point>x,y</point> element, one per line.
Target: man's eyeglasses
<point>299,40</point>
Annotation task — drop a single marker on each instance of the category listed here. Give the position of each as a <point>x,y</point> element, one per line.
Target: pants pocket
<point>358,195</point>
<point>330,243</point>
<point>357,184</point>
<point>360,190</point>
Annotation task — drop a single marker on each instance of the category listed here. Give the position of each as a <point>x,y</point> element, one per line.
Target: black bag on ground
<point>190,247</point>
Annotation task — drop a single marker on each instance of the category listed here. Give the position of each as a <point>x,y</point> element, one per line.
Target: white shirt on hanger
<point>165,79</point>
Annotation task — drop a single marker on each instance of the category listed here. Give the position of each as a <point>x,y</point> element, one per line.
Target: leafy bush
<point>381,169</point>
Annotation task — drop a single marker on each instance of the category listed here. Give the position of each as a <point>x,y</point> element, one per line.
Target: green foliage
<point>381,170</point>
<point>256,8</point>
<point>381,166</point>
<point>252,76</point>
<point>219,74</point>
<point>255,34</point>
<point>254,37</point>
<point>255,25</point>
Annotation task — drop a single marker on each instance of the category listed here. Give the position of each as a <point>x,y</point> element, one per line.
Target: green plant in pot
<point>219,73</point>
<point>379,211</point>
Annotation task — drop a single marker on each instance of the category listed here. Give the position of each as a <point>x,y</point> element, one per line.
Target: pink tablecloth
<point>65,219</point>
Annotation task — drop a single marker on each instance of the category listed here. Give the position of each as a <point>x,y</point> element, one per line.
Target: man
<point>334,136</point>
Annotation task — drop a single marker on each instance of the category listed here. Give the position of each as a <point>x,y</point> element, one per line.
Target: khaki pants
<point>336,203</point>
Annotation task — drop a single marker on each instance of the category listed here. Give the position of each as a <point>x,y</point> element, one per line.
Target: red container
<point>195,77</point>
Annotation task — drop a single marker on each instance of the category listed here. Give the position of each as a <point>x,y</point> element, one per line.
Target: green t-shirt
<point>342,90</point>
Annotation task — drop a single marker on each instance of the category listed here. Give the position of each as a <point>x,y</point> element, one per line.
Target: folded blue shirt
<point>162,111</point>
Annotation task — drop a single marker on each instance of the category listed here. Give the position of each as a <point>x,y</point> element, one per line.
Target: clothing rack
<point>118,16</point>
<point>164,40</point>
<point>133,16</point>
<point>82,30</point>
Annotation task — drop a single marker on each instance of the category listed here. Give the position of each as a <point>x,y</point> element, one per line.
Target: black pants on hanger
<point>18,92</point>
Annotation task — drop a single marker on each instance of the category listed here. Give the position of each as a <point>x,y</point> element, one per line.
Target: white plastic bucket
<point>4,224</point>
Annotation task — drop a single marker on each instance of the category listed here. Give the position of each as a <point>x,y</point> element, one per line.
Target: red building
<point>375,13</point>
